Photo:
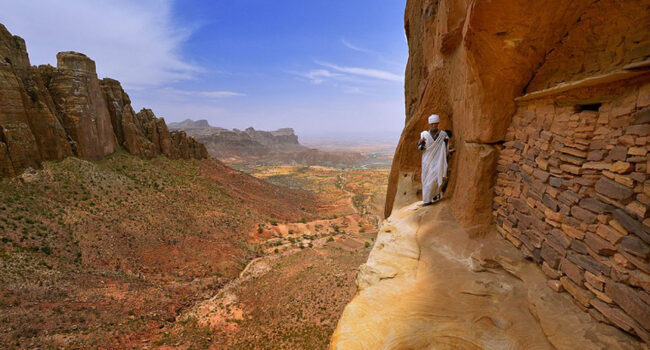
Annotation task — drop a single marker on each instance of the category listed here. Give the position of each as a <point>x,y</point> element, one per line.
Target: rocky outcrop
<point>224,143</point>
<point>277,146</point>
<point>128,129</point>
<point>49,113</point>
<point>428,284</point>
<point>551,131</point>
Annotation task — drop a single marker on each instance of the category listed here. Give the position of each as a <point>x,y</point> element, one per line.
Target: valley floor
<point>128,253</point>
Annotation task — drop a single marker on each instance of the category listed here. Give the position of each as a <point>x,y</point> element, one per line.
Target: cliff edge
<point>49,113</point>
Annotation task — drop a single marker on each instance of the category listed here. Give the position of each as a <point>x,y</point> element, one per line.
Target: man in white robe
<point>434,160</point>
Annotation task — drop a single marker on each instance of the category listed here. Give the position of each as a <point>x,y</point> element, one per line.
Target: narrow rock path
<point>427,285</point>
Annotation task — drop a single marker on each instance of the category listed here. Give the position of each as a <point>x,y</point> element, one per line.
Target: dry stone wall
<point>573,193</point>
<point>49,113</point>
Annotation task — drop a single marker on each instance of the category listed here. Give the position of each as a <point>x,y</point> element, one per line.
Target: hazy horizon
<point>326,70</point>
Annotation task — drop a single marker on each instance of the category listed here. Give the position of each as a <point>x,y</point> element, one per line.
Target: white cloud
<point>352,90</point>
<point>351,46</point>
<point>134,42</point>
<point>364,72</point>
<point>171,92</point>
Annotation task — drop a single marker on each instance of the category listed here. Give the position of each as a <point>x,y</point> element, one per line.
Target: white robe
<point>434,164</point>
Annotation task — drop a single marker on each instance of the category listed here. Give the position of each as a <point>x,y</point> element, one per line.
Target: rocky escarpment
<point>548,101</point>
<point>49,113</point>
<point>224,143</point>
<point>277,146</point>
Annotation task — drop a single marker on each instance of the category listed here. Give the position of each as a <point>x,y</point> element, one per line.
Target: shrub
<point>367,244</point>
<point>331,239</point>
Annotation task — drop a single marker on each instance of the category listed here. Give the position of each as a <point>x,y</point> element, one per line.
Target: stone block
<point>568,197</point>
<point>640,129</point>
<point>541,174</point>
<point>550,255</point>
<point>553,215</point>
<point>627,140</point>
<point>549,202</point>
<point>621,167</point>
<point>609,233</point>
<point>600,295</point>
<point>638,209</point>
<point>580,294</point>
<point>588,263</point>
<point>618,153</point>
<point>599,245</point>
<point>596,165</point>
<point>595,205</point>
<point>597,281</point>
<point>574,152</point>
<point>615,315</point>
<point>572,271</point>
<point>626,298</point>
<point>559,238</point>
<point>613,190</point>
<point>636,246</point>
<point>572,231</point>
<point>541,163</point>
<point>623,261</point>
<point>555,285</point>
<point>579,247</point>
<point>624,180</point>
<point>550,272</point>
<point>637,151</point>
<point>555,181</point>
<point>571,159</point>
<point>572,169</point>
<point>583,215</point>
<point>631,225</point>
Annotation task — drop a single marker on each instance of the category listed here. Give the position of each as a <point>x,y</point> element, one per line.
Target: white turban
<point>434,118</point>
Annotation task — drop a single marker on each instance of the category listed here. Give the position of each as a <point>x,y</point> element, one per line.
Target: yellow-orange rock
<point>429,285</point>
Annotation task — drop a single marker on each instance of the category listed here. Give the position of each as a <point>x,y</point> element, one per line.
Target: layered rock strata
<point>49,113</point>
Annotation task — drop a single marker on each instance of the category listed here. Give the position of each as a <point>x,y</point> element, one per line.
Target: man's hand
<point>421,144</point>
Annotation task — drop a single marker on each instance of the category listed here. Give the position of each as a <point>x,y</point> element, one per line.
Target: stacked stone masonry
<point>573,191</point>
<point>49,113</point>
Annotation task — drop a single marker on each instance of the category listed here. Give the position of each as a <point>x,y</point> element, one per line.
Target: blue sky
<point>324,67</point>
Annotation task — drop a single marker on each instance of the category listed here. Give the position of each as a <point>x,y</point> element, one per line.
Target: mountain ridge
<point>50,113</point>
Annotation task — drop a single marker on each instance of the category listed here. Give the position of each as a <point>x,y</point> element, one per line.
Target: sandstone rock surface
<point>49,113</point>
<point>429,285</point>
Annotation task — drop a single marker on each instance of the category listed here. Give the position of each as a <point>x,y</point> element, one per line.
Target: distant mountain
<point>190,124</point>
<point>277,146</point>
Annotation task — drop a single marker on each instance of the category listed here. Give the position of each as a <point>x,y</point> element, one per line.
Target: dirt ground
<point>122,253</point>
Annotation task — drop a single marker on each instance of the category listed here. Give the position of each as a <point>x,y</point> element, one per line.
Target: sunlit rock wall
<point>480,63</point>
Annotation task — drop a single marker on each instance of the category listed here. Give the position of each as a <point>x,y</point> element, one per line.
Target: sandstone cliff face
<point>548,101</point>
<point>49,113</point>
